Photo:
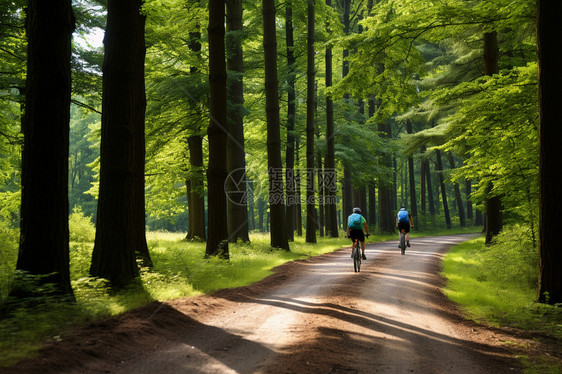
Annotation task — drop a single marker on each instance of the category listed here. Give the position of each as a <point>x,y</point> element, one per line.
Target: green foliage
<point>496,284</point>
<point>81,227</point>
<point>8,257</point>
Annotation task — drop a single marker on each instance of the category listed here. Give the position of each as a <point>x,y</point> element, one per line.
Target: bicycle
<point>356,254</point>
<point>402,244</point>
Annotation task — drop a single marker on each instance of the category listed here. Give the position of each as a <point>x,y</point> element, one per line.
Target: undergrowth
<point>497,284</point>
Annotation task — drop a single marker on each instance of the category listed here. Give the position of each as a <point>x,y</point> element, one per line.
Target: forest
<point>222,118</point>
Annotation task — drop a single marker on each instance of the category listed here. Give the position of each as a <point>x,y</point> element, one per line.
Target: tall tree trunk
<point>138,219</point>
<point>430,200</point>
<point>113,256</point>
<point>549,49</point>
<point>330,176</point>
<point>276,199</point>
<point>372,210</point>
<point>217,238</point>
<point>494,222</point>
<point>196,175</point>
<point>291,118</point>
<point>311,219</point>
<point>197,189</point>
<point>422,188</point>
<point>298,207</point>
<point>236,161</point>
<point>347,203</point>
<point>44,201</point>
<point>413,200</point>
<point>469,208</point>
<point>443,191</point>
<point>386,220</point>
<point>460,205</point>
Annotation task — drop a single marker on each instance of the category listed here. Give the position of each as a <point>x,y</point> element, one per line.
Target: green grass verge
<point>495,288</point>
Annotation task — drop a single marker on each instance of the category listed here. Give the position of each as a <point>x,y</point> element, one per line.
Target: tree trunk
<point>138,219</point>
<point>197,189</point>
<point>311,219</point>
<point>458,197</point>
<point>330,176</point>
<point>413,204</point>
<point>275,167</point>
<point>291,118</point>
<point>217,238</point>
<point>430,200</point>
<point>386,220</point>
<point>372,216</point>
<point>113,256</point>
<point>468,191</point>
<point>196,175</point>
<point>494,222</point>
<point>422,188</point>
<point>236,161</point>
<point>44,198</point>
<point>443,191</point>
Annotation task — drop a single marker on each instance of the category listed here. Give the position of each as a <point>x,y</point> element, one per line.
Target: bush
<point>80,227</point>
<point>513,256</point>
<point>8,257</point>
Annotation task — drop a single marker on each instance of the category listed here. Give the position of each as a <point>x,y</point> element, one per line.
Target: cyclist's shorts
<point>357,234</point>
<point>404,225</point>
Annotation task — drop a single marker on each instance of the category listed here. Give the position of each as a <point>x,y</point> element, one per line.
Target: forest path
<point>313,316</point>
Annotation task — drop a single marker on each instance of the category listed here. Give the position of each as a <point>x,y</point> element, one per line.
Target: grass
<point>492,285</point>
<point>180,270</point>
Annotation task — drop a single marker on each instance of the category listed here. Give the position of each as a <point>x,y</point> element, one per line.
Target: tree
<point>493,202</point>
<point>120,217</point>
<point>439,170</point>
<point>310,109</point>
<point>44,204</point>
<point>236,163</point>
<point>278,231</point>
<point>550,136</point>
<point>291,119</point>
<point>217,238</point>
<point>330,164</point>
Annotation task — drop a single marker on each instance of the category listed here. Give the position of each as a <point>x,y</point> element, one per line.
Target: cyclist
<point>404,221</point>
<point>355,225</point>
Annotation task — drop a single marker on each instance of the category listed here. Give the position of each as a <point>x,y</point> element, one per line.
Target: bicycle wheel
<point>357,258</point>
<point>402,243</point>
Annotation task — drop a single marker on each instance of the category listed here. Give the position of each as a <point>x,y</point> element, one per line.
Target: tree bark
<point>197,189</point>
<point>278,232</point>
<point>386,216</point>
<point>494,222</point>
<point>236,160</point>
<point>468,191</point>
<point>311,219</point>
<point>330,176</point>
<point>217,238</point>
<point>443,191</point>
<point>411,173</point>
<point>458,197</point>
<point>123,102</point>
<point>291,119</point>
<point>430,200</point>
<point>44,199</point>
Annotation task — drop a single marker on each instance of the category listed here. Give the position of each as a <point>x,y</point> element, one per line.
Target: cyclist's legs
<point>363,247</point>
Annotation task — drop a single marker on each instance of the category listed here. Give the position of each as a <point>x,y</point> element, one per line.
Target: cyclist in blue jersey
<point>404,221</point>
<point>355,225</point>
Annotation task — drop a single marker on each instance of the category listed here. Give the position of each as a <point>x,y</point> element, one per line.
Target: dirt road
<point>314,316</point>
